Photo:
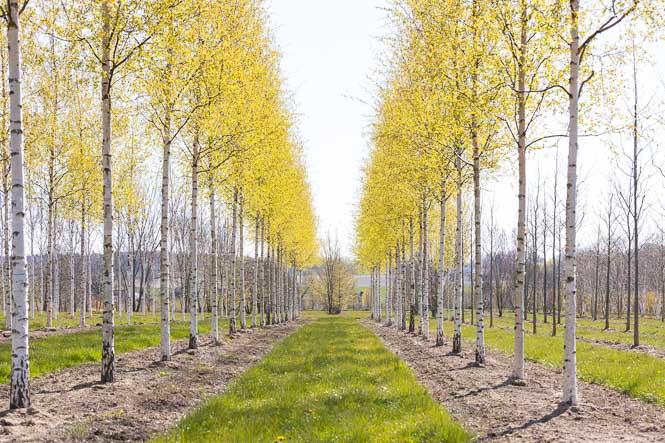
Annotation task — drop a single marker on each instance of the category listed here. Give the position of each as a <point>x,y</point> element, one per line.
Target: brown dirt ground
<point>148,397</point>
<point>485,402</point>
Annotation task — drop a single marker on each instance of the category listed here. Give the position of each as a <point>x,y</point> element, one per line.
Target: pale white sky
<point>330,51</point>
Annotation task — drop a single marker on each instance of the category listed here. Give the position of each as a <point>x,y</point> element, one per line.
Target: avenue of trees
<point>147,144</point>
<point>470,89</point>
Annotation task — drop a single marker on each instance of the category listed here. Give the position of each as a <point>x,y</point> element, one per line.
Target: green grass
<point>57,352</point>
<point>65,320</point>
<point>636,374</point>
<point>332,380</point>
<point>652,332</point>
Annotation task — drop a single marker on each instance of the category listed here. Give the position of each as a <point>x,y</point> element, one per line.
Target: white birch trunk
<point>412,280</point>
<point>518,347</point>
<point>165,265</point>
<point>19,390</point>
<point>214,289</point>
<point>457,305</point>
<point>442,261</point>
<point>50,299</point>
<point>255,290</point>
<point>89,275</point>
<point>82,297</point>
<point>262,270</point>
<point>569,347</point>
<point>6,264</point>
<point>241,256</point>
<point>389,320</point>
<point>425,266</point>
<point>194,251</point>
<point>108,326</point>
<point>478,283</point>
<point>72,292</point>
<point>232,274</point>
<point>398,286</point>
<point>419,282</point>
<point>268,283</point>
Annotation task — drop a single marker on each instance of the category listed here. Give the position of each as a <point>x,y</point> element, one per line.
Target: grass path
<point>57,352</point>
<point>332,380</point>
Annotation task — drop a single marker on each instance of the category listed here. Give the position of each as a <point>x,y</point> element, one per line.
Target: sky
<point>330,52</point>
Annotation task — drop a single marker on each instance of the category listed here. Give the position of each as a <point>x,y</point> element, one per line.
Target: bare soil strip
<point>148,397</point>
<point>487,404</point>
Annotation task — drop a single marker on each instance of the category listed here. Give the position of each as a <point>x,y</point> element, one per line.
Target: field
<point>638,374</point>
<point>331,381</point>
<point>329,378</point>
<point>62,350</point>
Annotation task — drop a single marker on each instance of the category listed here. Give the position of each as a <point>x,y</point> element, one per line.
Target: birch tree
<point>579,47</point>
<point>19,389</point>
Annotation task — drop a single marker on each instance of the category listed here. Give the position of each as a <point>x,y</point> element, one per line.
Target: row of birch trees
<point>155,134</point>
<point>468,88</point>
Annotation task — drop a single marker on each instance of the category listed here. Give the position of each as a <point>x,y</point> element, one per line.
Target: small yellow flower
<point>279,438</point>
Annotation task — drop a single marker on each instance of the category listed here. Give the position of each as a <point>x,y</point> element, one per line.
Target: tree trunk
<point>19,390</point>
<point>164,264</point>
<point>108,322</point>
<point>232,275</point>
<point>389,320</point>
<point>544,257</point>
<point>607,276</point>
<point>421,275</point>
<point>50,283</point>
<point>555,267</point>
<point>261,266</point>
<point>7,267</point>
<point>570,351</point>
<point>425,272</point>
<point>518,351</point>
<point>442,272</point>
<point>412,280</point>
<point>241,256</point>
<point>636,213</point>
<point>194,250</point>
<point>594,309</point>
<point>255,289</point>
<point>268,284</point>
<point>478,284</point>
<point>398,286</point>
<point>214,289</point>
<point>457,306</point>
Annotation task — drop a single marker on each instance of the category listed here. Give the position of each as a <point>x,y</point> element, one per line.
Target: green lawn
<point>56,352</point>
<point>65,320</point>
<point>332,380</point>
<point>636,374</point>
<point>652,330</point>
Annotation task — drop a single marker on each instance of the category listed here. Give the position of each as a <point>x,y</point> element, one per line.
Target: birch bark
<point>19,390</point>
<point>108,322</point>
